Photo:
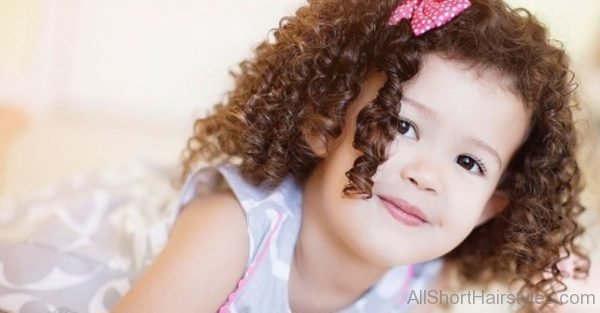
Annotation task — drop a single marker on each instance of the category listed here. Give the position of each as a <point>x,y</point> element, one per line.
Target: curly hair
<point>302,79</point>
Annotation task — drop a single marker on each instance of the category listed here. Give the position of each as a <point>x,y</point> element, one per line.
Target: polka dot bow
<point>427,14</point>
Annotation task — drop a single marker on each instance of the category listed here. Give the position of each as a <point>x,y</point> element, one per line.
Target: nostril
<point>421,185</point>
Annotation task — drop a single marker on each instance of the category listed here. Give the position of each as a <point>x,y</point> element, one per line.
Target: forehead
<point>461,75</point>
<point>469,100</point>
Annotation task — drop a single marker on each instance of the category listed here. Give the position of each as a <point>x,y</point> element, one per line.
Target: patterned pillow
<point>77,246</point>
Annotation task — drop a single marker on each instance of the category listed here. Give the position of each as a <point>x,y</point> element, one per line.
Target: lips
<point>405,207</point>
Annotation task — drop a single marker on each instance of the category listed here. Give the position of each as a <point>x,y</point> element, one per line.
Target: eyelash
<point>477,160</point>
<point>410,123</point>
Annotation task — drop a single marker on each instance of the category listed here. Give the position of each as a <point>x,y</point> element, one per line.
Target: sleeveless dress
<point>79,245</point>
<point>273,219</point>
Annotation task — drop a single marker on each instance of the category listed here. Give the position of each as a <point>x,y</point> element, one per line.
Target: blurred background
<point>87,82</point>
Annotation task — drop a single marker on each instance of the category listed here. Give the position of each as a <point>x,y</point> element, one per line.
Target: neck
<point>324,269</point>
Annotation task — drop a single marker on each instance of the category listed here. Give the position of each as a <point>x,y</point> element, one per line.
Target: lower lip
<point>401,216</point>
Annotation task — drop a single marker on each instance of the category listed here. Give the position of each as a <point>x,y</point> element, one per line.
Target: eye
<point>408,129</point>
<point>471,164</point>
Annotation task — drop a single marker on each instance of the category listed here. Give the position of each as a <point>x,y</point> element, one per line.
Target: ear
<point>318,147</point>
<point>496,204</point>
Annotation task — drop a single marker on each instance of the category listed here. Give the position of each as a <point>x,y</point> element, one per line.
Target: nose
<point>424,175</point>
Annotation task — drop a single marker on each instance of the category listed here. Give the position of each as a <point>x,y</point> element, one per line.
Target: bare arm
<point>585,293</point>
<point>582,295</point>
<point>201,264</point>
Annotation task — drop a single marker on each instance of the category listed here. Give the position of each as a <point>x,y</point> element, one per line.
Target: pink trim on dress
<point>406,284</point>
<point>252,268</point>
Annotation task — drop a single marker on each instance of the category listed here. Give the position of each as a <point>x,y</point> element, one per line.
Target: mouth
<point>403,211</point>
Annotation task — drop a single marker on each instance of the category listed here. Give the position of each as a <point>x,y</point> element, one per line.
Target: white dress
<point>79,246</point>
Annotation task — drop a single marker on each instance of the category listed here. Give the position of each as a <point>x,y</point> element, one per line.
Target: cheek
<point>462,214</point>
<point>459,225</point>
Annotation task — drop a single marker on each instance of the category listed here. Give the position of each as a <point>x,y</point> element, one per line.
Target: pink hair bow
<point>427,14</point>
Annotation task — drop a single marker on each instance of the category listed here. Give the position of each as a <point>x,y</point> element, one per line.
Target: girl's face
<point>458,134</point>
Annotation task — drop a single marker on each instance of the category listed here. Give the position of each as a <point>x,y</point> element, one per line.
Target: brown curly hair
<point>303,77</point>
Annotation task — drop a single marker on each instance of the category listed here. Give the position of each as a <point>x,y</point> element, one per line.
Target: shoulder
<point>214,222</point>
<point>219,212</point>
<point>206,255</point>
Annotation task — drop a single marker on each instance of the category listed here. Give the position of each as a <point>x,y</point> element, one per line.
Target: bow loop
<point>427,14</point>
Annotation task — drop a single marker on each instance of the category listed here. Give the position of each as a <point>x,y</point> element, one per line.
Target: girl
<point>367,147</point>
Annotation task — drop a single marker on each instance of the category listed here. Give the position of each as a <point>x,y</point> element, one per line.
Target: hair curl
<point>302,80</point>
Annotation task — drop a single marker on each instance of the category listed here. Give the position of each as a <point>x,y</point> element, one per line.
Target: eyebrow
<point>487,148</point>
<point>434,116</point>
<point>421,108</point>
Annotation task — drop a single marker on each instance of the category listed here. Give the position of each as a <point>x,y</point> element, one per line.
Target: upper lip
<point>405,206</point>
